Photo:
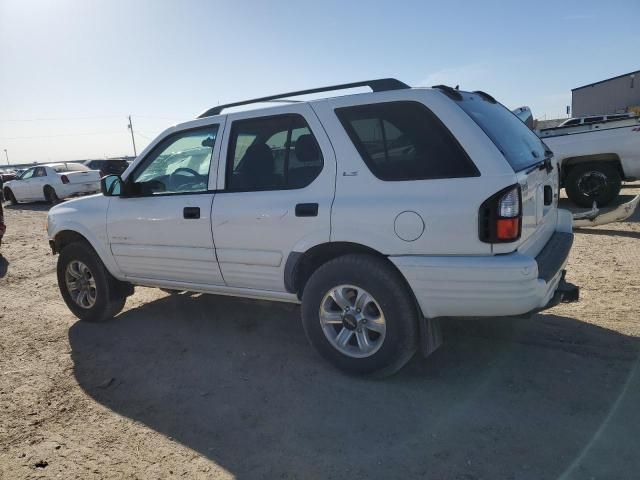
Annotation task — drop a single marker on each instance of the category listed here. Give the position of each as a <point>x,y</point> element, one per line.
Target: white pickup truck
<point>52,183</point>
<point>595,157</point>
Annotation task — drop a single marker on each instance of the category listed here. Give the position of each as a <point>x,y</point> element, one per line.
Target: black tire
<point>50,195</point>
<point>10,197</point>
<point>589,182</point>
<point>389,289</point>
<point>110,294</point>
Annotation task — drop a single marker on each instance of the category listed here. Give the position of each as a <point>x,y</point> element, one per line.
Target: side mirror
<point>111,185</point>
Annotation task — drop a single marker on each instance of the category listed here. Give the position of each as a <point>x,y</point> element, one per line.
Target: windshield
<point>520,145</point>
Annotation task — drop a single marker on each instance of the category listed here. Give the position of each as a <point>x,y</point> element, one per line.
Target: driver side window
<point>178,164</point>
<point>28,174</point>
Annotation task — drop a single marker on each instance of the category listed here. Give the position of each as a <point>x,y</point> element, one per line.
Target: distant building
<point>614,95</point>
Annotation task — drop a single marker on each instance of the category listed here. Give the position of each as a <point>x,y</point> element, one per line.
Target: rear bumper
<point>501,285</point>
<point>71,190</point>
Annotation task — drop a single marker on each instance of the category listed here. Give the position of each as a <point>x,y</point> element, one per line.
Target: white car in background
<point>52,183</point>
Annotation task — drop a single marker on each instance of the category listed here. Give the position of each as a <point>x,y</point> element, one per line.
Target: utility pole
<point>7,155</point>
<point>133,140</point>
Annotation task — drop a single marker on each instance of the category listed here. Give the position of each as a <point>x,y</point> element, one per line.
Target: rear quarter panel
<point>365,208</point>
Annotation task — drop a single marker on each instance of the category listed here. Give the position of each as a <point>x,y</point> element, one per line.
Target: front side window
<point>40,172</point>
<point>271,153</point>
<point>28,174</point>
<point>178,164</point>
<point>404,141</point>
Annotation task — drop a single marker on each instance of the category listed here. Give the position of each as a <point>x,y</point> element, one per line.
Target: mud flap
<point>430,335</point>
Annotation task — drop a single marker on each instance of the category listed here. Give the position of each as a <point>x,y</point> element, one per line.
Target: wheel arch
<point>300,265</point>
<point>570,162</point>
<point>67,234</point>
<point>66,237</point>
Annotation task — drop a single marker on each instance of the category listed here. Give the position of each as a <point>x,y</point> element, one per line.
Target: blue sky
<point>71,71</point>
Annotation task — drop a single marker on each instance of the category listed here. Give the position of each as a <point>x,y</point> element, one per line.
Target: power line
<point>59,135</point>
<point>51,119</point>
<point>95,117</point>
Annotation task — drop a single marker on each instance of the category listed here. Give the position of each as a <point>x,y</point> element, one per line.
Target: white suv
<point>379,212</point>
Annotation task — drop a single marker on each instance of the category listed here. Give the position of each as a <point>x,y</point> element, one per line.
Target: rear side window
<point>70,167</point>
<point>405,141</point>
<point>272,153</point>
<point>568,123</point>
<point>521,147</point>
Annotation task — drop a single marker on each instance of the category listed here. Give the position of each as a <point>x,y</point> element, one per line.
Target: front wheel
<point>10,197</point>
<point>358,312</point>
<point>593,182</point>
<point>89,290</point>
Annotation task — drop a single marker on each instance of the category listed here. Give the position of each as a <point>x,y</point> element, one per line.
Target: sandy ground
<point>215,387</point>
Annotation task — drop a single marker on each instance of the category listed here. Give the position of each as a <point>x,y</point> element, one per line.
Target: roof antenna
<point>457,87</point>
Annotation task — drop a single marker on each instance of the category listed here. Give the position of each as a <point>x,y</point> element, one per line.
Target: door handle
<point>191,212</point>
<point>307,210</point>
<point>548,195</point>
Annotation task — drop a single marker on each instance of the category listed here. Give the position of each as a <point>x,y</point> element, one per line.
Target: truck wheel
<point>89,290</point>
<point>50,195</point>
<point>358,312</point>
<point>589,182</point>
<point>8,194</point>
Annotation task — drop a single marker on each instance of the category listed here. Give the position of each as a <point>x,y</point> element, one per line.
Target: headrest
<point>307,150</point>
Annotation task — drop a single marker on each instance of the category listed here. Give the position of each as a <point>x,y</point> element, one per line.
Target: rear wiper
<point>542,165</point>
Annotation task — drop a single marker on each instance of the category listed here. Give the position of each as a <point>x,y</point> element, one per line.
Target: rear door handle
<point>191,212</point>
<point>307,210</point>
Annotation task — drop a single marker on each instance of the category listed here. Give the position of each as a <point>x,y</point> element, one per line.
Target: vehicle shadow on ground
<point>33,207</point>
<point>604,231</point>
<point>236,381</point>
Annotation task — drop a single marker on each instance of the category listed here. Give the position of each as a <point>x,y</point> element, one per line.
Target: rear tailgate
<point>539,217</point>
<point>532,163</point>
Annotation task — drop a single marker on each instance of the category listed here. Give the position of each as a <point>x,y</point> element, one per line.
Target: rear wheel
<point>89,290</point>
<point>8,194</point>
<point>359,314</point>
<point>593,182</point>
<point>50,195</point>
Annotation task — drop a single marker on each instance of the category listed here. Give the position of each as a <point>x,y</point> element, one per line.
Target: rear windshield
<point>70,167</point>
<point>520,146</point>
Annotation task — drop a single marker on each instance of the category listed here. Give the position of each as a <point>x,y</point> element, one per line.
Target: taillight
<point>500,216</point>
<point>64,179</point>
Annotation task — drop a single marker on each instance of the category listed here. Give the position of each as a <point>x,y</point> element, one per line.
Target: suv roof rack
<point>377,85</point>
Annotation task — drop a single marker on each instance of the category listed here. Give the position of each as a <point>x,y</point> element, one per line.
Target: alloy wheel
<point>81,284</point>
<point>352,321</point>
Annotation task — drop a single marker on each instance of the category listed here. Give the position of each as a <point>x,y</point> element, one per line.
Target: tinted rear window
<point>70,167</point>
<point>405,141</point>
<point>520,146</point>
